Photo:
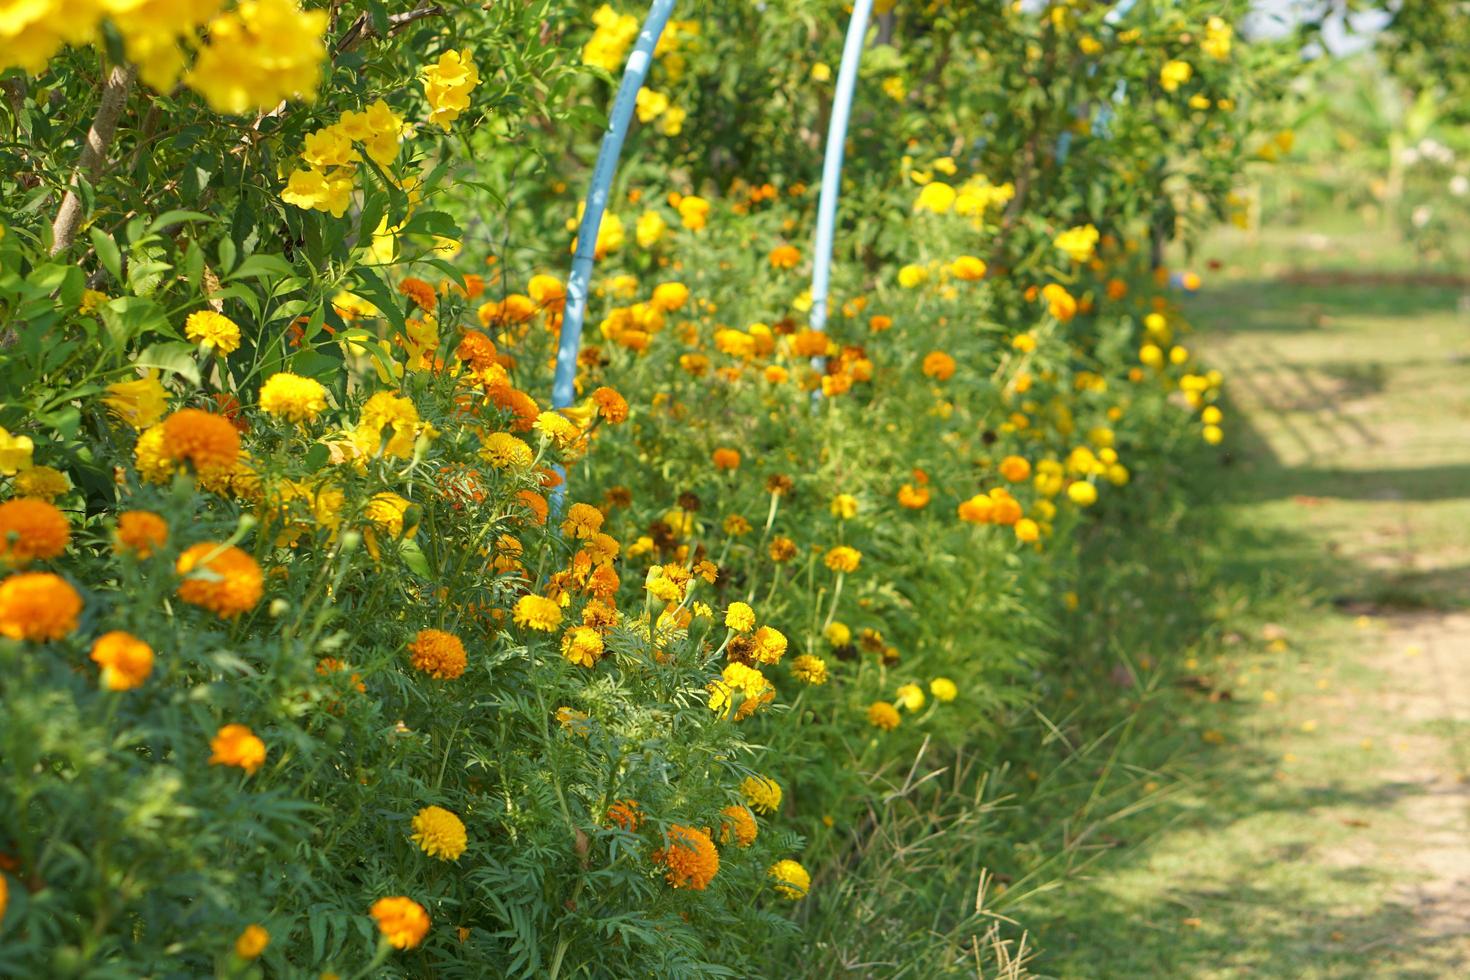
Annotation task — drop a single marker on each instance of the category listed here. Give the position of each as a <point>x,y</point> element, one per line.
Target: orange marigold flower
<point>880,322</point>
<point>237,745</point>
<point>420,292</point>
<point>782,549</point>
<point>141,532</point>
<point>883,715</point>
<point>220,578</point>
<point>1015,469</point>
<point>726,459</point>
<point>402,921</point>
<point>439,833</point>
<point>252,942</point>
<point>785,257</point>
<point>38,606</point>
<point>126,661</point>
<point>583,521</point>
<point>738,823</point>
<point>535,503</point>
<point>939,365</point>
<point>206,441</point>
<point>690,857</point>
<point>626,814</point>
<point>612,406</point>
<point>912,497</point>
<point>476,348</point>
<point>843,559</point>
<point>439,654</point>
<point>31,529</point>
<point>582,645</point>
<point>809,343</point>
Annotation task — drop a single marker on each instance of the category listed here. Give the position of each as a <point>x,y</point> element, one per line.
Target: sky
<point>1341,36</point>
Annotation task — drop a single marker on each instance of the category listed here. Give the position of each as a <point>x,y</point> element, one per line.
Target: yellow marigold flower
<point>220,578</point>
<point>943,689</point>
<point>693,212</point>
<point>292,397</point>
<point>737,678</point>
<point>1213,434</point>
<point>1175,74</point>
<point>252,942</point>
<point>1079,243</point>
<point>583,521</point>
<point>1027,530</point>
<point>791,879</point>
<point>809,669</point>
<point>883,715</point>
<point>968,268</point>
<point>1082,493</point>
<point>537,613</point>
<point>447,86</point>
<point>762,793</point>
<point>31,529</point>
<point>690,857</point>
<point>388,423</point>
<point>844,506</point>
<point>740,617</point>
<point>910,697</point>
<point>936,197</point>
<point>843,559</point>
<point>402,921</point>
<point>206,441</point>
<point>237,745</point>
<point>126,661</point>
<point>912,276</point>
<point>214,329</point>
<point>1060,303</point>
<point>140,532</point>
<point>139,403</point>
<point>15,452</point>
<point>1216,42</point>
<point>582,645</point>
<point>258,54</point>
<point>439,833</point>
<point>768,645</point>
<point>650,229</point>
<point>439,654</point>
<point>38,606</point>
<point>558,428</point>
<point>838,634</point>
<point>504,451</point>
<point>42,482</point>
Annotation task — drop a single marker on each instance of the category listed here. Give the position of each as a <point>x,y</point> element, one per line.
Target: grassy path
<point>1314,819</point>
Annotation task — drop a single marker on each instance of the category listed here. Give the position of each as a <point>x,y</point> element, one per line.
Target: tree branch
<point>94,154</point>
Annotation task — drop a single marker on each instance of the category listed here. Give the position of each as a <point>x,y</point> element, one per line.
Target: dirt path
<point>1355,434</point>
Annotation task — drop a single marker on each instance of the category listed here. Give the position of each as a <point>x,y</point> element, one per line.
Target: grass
<point>1279,789</point>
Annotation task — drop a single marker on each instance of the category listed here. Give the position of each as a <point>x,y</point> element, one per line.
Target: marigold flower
<point>237,745</point>
<point>42,482</point>
<point>1079,243</point>
<point>943,689</point>
<point>536,504</point>
<point>844,506</point>
<point>737,678</point>
<point>402,921</point>
<point>439,833</point>
<point>791,879</point>
<point>938,365</point>
<point>393,413</point>
<point>726,459</point>
<point>1175,74</point>
<point>968,268</point>
<point>910,697</point>
<point>1082,493</point>
<point>883,715</point>
<point>292,397</point>
<point>782,549</point>
<point>252,942</point>
<point>583,521</point>
<point>738,823</point>
<point>626,814</point>
<point>215,329</point>
<point>769,645</point>
<point>690,857</point>
<point>762,793</point>
<point>838,634</point>
<point>785,257</point>
<point>912,497</point>
<point>809,669</point>
<point>740,617</point>
<point>138,403</point>
<point>38,606</point>
<point>439,654</point>
<point>1015,469</point>
<point>15,452</point>
<point>612,406</point>
<point>220,578</point>
<point>843,559</point>
<point>126,661</point>
<point>582,645</point>
<point>31,529</point>
<point>537,613</point>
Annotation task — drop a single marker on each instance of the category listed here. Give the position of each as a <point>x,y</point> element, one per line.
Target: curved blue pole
<point>852,54</point>
<point>564,389</point>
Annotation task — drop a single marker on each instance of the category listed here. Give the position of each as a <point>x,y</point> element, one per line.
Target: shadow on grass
<point>1276,306</point>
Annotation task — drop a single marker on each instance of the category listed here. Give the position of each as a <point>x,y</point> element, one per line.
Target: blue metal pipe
<point>852,54</point>
<point>564,388</point>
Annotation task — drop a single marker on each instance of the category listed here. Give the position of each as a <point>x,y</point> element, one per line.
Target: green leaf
<point>176,357</point>
<point>107,253</point>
